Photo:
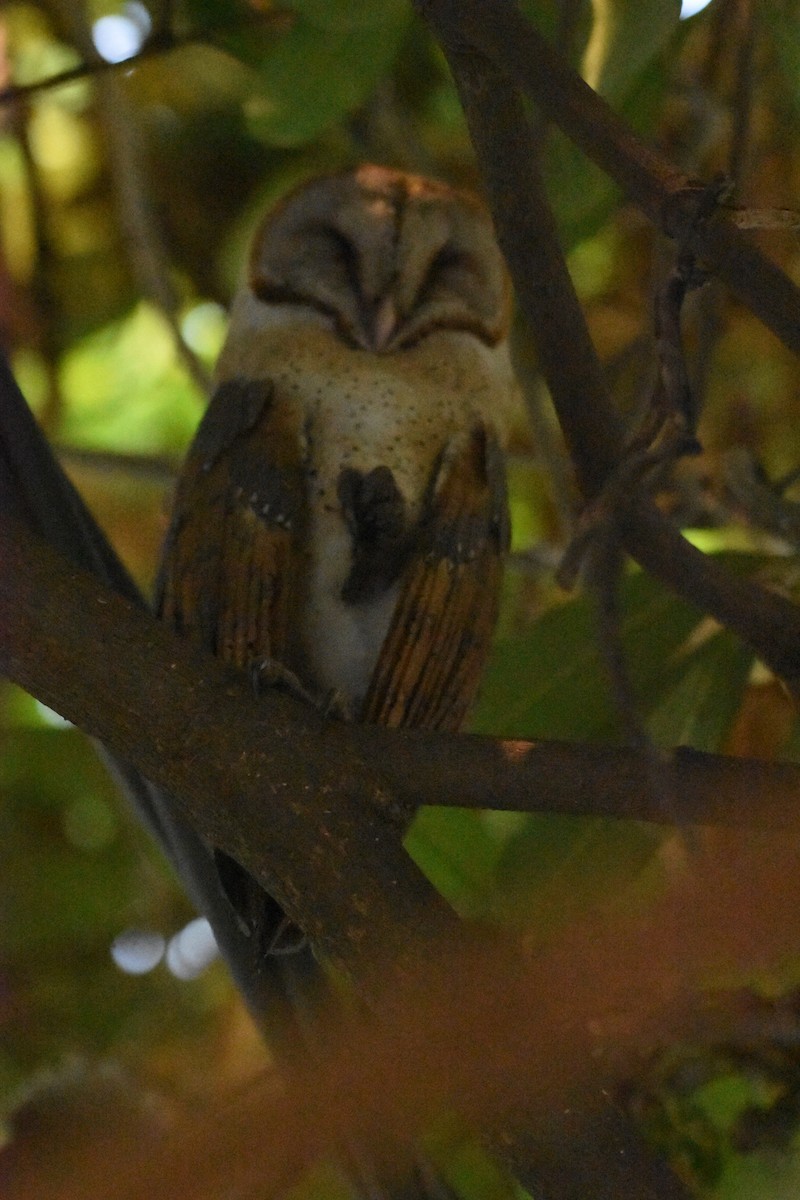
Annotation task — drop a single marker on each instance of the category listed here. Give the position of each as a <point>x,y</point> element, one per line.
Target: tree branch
<point>164,41</point>
<point>256,780</point>
<point>507,151</point>
<point>497,31</point>
<point>181,717</point>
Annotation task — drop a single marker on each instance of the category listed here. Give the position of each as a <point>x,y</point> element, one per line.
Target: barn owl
<point>343,507</point>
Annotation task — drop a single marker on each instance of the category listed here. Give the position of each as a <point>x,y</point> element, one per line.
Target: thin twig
<point>786,220</point>
<point>680,404</point>
<point>762,501</point>
<point>277,21</point>
<point>605,562</point>
<point>664,433</point>
<point>711,303</point>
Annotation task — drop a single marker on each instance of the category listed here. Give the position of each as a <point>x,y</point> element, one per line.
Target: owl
<point>343,508</point>
<point>342,512</point>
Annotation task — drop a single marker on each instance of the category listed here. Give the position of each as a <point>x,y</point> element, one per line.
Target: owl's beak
<point>385,323</point>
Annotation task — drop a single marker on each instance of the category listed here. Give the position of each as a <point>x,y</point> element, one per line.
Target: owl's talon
<point>335,704</point>
<point>269,673</point>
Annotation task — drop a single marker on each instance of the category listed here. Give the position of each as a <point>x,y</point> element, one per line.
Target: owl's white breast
<point>361,410</point>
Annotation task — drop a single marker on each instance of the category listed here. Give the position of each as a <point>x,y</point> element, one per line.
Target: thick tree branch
<point>266,782</point>
<point>181,717</point>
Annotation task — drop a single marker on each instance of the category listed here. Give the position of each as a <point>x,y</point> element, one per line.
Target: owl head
<point>388,258</point>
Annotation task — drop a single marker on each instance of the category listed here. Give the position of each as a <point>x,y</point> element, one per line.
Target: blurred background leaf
<point>626,36</point>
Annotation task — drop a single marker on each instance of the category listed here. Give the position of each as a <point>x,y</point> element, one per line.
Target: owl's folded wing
<point>429,665</point>
<point>231,557</point>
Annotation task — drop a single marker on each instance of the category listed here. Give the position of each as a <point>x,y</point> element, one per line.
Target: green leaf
<point>552,681</point>
<point>583,195</point>
<point>700,695</point>
<point>543,14</point>
<point>345,15</point>
<point>458,849</point>
<point>761,1175</point>
<point>323,68</point>
<point>125,388</point>
<point>77,871</point>
<point>626,36</point>
<point>558,868</point>
<point>780,20</point>
<point>465,1165</point>
<point>211,14</point>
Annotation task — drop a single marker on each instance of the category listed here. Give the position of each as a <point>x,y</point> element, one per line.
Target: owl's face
<point>384,257</point>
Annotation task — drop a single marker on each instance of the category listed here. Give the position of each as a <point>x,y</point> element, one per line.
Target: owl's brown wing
<point>229,570</point>
<point>430,663</point>
<point>231,557</point>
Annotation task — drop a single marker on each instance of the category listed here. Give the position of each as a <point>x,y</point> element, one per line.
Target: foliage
<point>215,129</point>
